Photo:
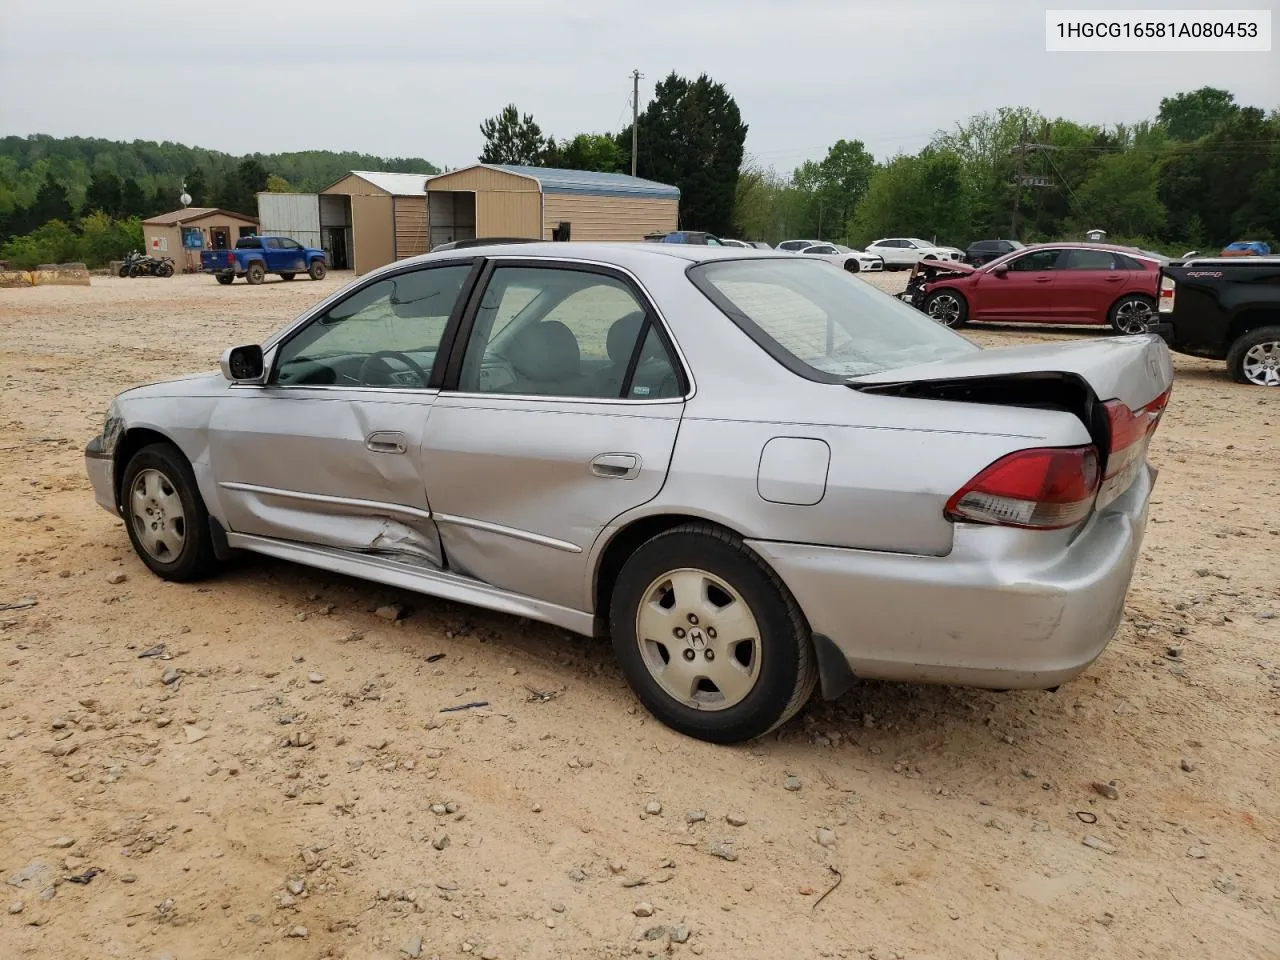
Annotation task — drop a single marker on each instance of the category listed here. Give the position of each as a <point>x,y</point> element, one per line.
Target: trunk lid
<point>1134,370</point>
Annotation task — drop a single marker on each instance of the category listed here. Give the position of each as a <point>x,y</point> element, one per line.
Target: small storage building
<point>183,233</point>
<point>369,219</point>
<point>544,203</point>
<point>293,215</point>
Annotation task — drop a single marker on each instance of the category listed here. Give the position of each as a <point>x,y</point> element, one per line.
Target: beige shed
<point>375,218</point>
<point>183,233</point>
<point>544,203</point>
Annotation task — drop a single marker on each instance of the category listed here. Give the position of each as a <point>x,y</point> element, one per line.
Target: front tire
<point>710,640</point>
<point>165,516</point>
<point>1132,314</point>
<point>852,266</point>
<point>256,273</point>
<point>947,307</point>
<point>165,270</point>
<point>1255,358</point>
<point>318,270</point>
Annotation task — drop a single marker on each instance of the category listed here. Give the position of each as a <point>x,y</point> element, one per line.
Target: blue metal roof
<point>591,183</point>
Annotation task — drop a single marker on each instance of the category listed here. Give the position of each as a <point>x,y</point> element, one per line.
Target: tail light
<point>1046,488</point>
<point>1166,294</point>
<point>1131,432</point>
<point>231,258</point>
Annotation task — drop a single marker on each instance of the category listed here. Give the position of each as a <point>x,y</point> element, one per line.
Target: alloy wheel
<point>699,639</point>
<point>944,308</point>
<point>1261,364</point>
<point>1133,317</point>
<point>158,518</point>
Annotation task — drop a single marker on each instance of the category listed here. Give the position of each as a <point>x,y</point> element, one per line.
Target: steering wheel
<point>403,358</point>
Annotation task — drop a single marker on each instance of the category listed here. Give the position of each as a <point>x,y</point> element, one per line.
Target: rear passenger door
<point>559,412</point>
<point>1088,283</point>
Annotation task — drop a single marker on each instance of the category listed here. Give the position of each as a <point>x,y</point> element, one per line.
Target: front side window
<point>825,324</point>
<point>551,332</point>
<point>288,244</point>
<point>1036,260</point>
<point>384,335</point>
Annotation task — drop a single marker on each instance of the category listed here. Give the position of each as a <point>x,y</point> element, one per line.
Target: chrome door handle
<point>386,441</point>
<point>617,466</point>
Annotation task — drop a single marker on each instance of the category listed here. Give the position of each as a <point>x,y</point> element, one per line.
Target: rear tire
<point>947,307</point>
<point>165,516</point>
<point>1132,314</point>
<point>766,668</point>
<point>256,273</point>
<point>226,279</point>
<point>318,270</point>
<point>1255,358</point>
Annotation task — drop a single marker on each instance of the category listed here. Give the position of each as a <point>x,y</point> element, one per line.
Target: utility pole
<point>1017,177</point>
<point>635,117</point>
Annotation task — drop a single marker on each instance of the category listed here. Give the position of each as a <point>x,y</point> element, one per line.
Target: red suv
<point>1068,283</point>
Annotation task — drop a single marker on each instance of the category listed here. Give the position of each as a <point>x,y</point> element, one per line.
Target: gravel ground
<point>279,782</point>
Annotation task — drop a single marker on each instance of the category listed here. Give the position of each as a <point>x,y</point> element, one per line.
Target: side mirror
<point>1000,270</point>
<point>243,364</point>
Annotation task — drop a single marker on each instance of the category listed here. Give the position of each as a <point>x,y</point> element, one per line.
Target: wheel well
<point>133,441</point>
<point>624,543</point>
<point>1250,320</point>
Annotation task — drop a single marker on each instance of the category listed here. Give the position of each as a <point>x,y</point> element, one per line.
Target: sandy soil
<point>279,800</point>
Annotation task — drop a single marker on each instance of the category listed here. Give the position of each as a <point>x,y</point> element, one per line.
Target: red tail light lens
<point>1131,432</point>
<point>1046,488</point>
<point>231,258</point>
<point>1167,287</point>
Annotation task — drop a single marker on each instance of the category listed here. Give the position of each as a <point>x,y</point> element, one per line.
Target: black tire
<point>1236,357</point>
<point>165,270</point>
<point>287,276</point>
<point>318,269</point>
<point>256,272</point>
<point>123,271</point>
<point>947,307</point>
<point>1127,313</point>
<point>852,265</point>
<point>195,559</point>
<point>225,278</point>
<point>786,672</point>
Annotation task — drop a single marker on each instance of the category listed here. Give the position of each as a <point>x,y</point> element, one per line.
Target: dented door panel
<point>336,468</point>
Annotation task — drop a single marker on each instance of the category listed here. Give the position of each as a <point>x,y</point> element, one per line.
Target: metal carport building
<point>375,218</point>
<point>544,203</point>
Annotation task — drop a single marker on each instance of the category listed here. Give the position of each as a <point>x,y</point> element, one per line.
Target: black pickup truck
<point>1225,309</point>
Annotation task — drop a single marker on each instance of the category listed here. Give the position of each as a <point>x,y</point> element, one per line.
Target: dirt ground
<point>297,793</point>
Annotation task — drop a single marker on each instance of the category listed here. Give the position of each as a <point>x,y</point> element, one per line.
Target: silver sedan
<point>754,473</point>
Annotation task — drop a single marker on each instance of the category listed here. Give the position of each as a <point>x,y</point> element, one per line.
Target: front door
<point>1024,292</point>
<point>560,414</point>
<point>329,452</point>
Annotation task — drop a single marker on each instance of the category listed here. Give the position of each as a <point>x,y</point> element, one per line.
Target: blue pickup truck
<point>255,257</point>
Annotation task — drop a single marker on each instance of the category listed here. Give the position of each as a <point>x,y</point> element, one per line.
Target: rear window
<point>249,243</point>
<point>823,324</point>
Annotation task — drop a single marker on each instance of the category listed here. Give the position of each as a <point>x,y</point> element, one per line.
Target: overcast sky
<point>416,77</point>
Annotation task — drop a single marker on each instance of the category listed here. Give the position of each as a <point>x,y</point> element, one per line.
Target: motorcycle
<point>144,265</point>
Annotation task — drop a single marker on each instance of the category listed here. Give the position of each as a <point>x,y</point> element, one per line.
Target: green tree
<point>277,184</point>
<point>197,187</point>
<point>586,151</point>
<point>1190,116</point>
<point>132,201</point>
<point>52,242</point>
<point>692,135</point>
<point>511,138</point>
<point>921,196</point>
<point>51,202</point>
<point>103,194</point>
<point>1122,196</point>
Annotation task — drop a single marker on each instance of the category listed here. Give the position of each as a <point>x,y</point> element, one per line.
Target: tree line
<point>1205,171</point>
<point>54,191</point>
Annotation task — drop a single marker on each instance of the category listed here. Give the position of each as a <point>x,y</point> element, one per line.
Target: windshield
<point>828,322</point>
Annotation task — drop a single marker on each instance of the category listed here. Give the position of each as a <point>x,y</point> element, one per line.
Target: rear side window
<point>1090,260</point>
<point>823,324</point>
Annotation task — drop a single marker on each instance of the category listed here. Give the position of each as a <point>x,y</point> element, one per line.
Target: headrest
<point>622,337</point>
<point>545,351</point>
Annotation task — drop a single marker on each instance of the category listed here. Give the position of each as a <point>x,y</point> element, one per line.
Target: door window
<point>1036,260</point>
<point>1090,260</point>
<point>565,333</point>
<point>286,243</point>
<point>384,335</point>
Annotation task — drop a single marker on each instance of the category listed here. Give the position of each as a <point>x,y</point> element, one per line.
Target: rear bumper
<point>101,471</point>
<point>1006,609</point>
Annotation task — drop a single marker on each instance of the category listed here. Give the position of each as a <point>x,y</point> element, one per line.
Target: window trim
<point>286,335</point>
<point>452,370</point>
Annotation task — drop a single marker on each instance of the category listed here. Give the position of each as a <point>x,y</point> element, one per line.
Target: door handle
<point>386,441</point>
<point>616,466</point>
<point>1043,279</point>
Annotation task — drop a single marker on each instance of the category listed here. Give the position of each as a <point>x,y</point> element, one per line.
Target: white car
<point>727,242</point>
<point>855,261</point>
<point>795,246</point>
<point>902,252</point>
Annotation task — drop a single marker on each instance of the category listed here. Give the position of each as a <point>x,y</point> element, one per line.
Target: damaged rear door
<point>329,451</point>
